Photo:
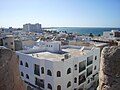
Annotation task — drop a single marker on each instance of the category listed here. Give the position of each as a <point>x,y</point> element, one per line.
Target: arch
<point>27,76</point>
<point>26,64</point>
<point>69,84</point>
<point>49,86</point>
<point>58,87</point>
<point>42,70</point>
<point>69,71</point>
<point>58,74</point>
<point>49,72</point>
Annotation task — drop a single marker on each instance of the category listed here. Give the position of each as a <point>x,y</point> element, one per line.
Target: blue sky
<point>63,13</point>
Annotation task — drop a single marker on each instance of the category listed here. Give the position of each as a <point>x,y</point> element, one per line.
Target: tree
<point>91,35</point>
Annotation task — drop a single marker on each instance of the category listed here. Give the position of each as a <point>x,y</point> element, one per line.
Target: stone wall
<point>109,77</point>
<point>9,71</point>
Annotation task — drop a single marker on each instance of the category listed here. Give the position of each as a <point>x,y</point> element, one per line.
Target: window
<point>21,63</point>
<point>49,86</point>
<point>75,80</point>
<point>39,82</point>
<point>58,74</point>
<point>36,69</point>
<point>82,66</point>
<point>95,57</point>
<point>58,87</point>
<point>89,71</point>
<point>82,78</point>
<point>49,73</point>
<point>22,74</point>
<point>89,60</point>
<point>27,76</point>
<point>11,43</point>
<point>95,68</point>
<point>68,84</point>
<point>6,43</point>
<point>88,81</point>
<point>42,70</point>
<point>75,66</point>
<point>69,71</point>
<point>26,64</point>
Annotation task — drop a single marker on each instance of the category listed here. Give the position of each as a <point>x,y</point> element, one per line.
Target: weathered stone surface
<point>9,71</point>
<point>109,77</point>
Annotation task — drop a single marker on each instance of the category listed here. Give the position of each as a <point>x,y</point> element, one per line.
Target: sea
<point>85,30</point>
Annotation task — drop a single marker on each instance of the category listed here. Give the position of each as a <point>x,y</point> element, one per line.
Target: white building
<point>63,68</point>
<point>114,34</point>
<point>32,28</point>
<point>8,41</point>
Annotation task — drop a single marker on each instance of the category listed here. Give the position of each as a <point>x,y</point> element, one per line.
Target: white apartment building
<point>114,34</point>
<point>59,67</point>
<point>32,28</point>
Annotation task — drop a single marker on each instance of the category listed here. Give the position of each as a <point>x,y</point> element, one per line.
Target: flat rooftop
<point>70,52</point>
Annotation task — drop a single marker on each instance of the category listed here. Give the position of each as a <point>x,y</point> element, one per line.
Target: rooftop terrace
<point>67,52</point>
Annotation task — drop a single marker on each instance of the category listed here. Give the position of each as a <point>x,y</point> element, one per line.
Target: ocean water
<point>94,31</point>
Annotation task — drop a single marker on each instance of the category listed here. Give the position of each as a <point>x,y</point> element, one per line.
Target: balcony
<point>89,71</point>
<point>82,68</point>
<point>82,78</point>
<point>89,60</point>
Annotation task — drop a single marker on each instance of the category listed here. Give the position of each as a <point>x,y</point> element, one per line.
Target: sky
<point>60,13</point>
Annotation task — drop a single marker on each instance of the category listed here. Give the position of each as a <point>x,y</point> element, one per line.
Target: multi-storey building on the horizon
<point>112,35</point>
<point>56,67</point>
<point>32,28</point>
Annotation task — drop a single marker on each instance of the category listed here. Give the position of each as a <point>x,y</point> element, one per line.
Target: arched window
<point>26,64</point>
<point>68,84</point>
<point>49,73</point>
<point>50,86</point>
<point>69,71</point>
<point>95,57</point>
<point>58,87</point>
<point>75,80</point>
<point>27,76</point>
<point>22,74</point>
<point>95,68</point>
<point>21,63</point>
<point>42,70</point>
<point>58,74</point>
<point>75,66</point>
